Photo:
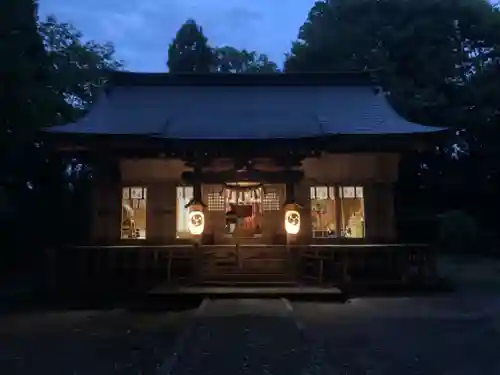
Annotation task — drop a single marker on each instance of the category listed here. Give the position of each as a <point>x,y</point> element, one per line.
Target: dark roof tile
<point>248,111</point>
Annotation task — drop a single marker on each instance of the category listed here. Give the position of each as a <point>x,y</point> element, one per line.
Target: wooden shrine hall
<point>230,178</point>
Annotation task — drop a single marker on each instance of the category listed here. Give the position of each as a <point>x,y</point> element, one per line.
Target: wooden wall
<point>375,172</point>
<point>106,213</point>
<point>352,168</point>
<point>161,219</point>
<point>151,170</point>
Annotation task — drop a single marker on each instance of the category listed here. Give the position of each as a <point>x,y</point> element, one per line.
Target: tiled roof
<point>241,107</point>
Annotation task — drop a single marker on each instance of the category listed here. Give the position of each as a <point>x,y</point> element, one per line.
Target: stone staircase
<point>247,265</point>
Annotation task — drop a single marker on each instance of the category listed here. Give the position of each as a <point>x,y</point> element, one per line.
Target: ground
<point>455,334</point>
<point>445,335</point>
<point>86,342</point>
<point>474,274</point>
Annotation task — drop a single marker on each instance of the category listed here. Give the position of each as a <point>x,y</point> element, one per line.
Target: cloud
<point>142,29</point>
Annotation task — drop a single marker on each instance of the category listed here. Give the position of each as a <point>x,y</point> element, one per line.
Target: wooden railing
<point>121,264</point>
<point>344,264</point>
<point>183,264</point>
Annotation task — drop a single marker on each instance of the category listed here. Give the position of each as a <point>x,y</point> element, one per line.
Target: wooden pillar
<point>379,212</point>
<point>52,269</point>
<point>197,194</point>
<point>338,210</point>
<point>107,200</point>
<point>290,192</point>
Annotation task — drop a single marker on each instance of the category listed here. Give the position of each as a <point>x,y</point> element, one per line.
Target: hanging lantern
<point>196,222</point>
<point>291,208</point>
<point>292,219</point>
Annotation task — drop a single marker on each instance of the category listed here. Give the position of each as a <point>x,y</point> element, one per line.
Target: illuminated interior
<point>353,211</point>
<point>324,219</point>
<point>245,199</point>
<point>323,212</point>
<point>133,219</point>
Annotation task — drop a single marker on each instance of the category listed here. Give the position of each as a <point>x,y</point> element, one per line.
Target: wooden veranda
<point>187,265</point>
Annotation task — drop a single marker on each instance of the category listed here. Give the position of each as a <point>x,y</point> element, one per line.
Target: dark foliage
<point>190,52</point>
<point>48,77</point>
<point>439,63</point>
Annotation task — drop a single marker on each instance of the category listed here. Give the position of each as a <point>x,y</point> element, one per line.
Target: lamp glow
<point>196,222</point>
<point>292,221</point>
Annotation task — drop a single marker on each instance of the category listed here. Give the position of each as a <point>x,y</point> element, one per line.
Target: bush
<point>459,233</point>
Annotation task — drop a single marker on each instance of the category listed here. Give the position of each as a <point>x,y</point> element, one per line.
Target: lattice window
<point>216,202</point>
<point>271,201</point>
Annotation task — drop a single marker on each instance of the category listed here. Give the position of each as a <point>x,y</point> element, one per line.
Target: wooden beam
<point>232,175</point>
<point>192,150</point>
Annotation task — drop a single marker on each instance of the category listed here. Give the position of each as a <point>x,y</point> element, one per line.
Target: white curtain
<point>184,195</point>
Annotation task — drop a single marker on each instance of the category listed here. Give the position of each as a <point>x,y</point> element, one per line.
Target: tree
<point>48,77</point>
<point>27,98</point>
<point>438,62</point>
<point>78,68</point>
<point>189,52</point>
<point>429,55</point>
<point>231,60</point>
<point>78,71</point>
<point>424,50</point>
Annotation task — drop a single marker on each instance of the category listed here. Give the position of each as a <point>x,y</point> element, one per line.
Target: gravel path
<point>247,337</point>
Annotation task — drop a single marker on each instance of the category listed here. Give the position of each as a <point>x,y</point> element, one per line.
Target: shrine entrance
<point>244,211</point>
<point>245,254</point>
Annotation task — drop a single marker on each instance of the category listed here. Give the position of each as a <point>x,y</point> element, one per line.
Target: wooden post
<point>405,262</point>
<point>321,266</point>
<point>338,212</point>
<point>236,236</point>
<point>196,251</point>
<point>141,263</point>
<point>169,264</point>
<point>156,253</point>
<point>346,277</point>
<point>98,262</point>
<point>432,263</point>
<point>115,261</point>
<point>81,266</point>
<point>51,267</point>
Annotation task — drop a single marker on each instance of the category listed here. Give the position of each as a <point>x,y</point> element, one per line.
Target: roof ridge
<point>341,78</point>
